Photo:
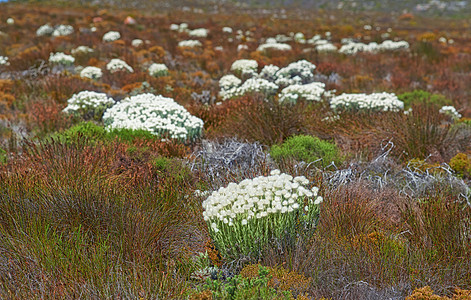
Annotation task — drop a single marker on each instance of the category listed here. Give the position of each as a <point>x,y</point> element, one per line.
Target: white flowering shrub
<point>159,115</point>
<point>46,29</point>
<point>299,38</point>
<point>371,102</point>
<point>157,70</point>
<point>137,43</point>
<point>199,33</point>
<point>450,111</point>
<point>91,72</point>
<point>326,48</point>
<point>245,67</point>
<point>229,89</point>
<point>10,21</point>
<point>270,45</point>
<point>271,79</point>
<point>190,43</point>
<point>244,218</point>
<point>4,61</point>
<point>63,30</point>
<point>300,72</point>
<point>81,50</point>
<point>111,36</point>
<point>116,65</point>
<point>389,45</point>
<point>269,72</point>
<point>314,91</point>
<point>61,59</point>
<point>88,104</point>
<point>257,85</point>
<point>183,27</point>
<point>352,48</point>
<point>283,38</point>
<point>227,29</point>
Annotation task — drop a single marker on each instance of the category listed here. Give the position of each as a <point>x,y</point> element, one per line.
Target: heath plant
<point>244,218</point>
<point>159,115</point>
<point>88,105</point>
<point>309,149</point>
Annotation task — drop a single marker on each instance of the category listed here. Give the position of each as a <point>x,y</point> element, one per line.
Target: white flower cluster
<point>4,61</point>
<point>228,82</point>
<point>373,102</point>
<point>259,198</point>
<point>61,58</point>
<point>299,38</point>
<point>389,45</point>
<point>88,103</point>
<point>154,113</point>
<point>314,91</point>
<point>10,21</point>
<point>269,73</point>
<point>230,87</point>
<point>45,29</point>
<point>111,36</point>
<point>300,72</point>
<point>270,79</point>
<point>190,43</point>
<point>91,72</point>
<point>450,111</point>
<point>137,43</point>
<point>245,67</point>
<point>274,45</point>
<point>81,50</point>
<point>183,27</point>
<point>157,70</point>
<point>116,65</point>
<point>353,48</point>
<point>326,47</point>
<point>63,30</point>
<point>227,29</point>
<point>199,33</point>
<point>283,38</point>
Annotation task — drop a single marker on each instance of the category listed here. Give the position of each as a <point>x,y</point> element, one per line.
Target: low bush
<point>308,149</point>
<point>240,287</point>
<point>461,164</point>
<point>418,97</point>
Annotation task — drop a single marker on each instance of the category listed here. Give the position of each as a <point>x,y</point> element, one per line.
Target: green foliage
<point>238,288</point>
<point>89,130</point>
<point>3,156</point>
<point>172,168</point>
<point>130,135</point>
<point>418,97</point>
<point>95,133</point>
<point>308,149</point>
<point>461,164</point>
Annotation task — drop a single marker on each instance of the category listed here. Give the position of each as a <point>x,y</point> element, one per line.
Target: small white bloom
<point>319,200</point>
<point>111,36</point>
<point>137,43</point>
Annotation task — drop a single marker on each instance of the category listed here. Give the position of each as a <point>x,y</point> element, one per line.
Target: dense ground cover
<point>216,154</point>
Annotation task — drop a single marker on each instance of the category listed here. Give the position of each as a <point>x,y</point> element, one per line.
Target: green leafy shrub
<point>3,156</point>
<point>461,164</point>
<point>308,149</point>
<point>89,130</point>
<point>94,133</point>
<point>422,97</point>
